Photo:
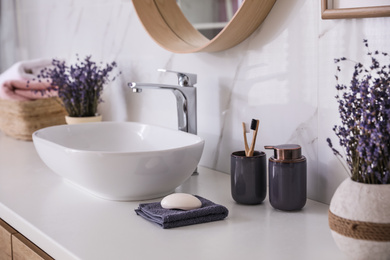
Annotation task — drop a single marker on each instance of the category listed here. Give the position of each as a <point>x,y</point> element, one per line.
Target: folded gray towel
<point>171,218</point>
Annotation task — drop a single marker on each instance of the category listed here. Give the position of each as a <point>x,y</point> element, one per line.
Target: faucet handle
<point>185,79</point>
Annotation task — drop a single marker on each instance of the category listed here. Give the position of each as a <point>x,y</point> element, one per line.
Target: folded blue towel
<point>171,218</point>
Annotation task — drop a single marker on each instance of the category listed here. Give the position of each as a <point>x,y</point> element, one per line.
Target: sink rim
<point>36,135</point>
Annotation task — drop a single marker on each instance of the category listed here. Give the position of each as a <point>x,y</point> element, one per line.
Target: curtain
<point>8,34</point>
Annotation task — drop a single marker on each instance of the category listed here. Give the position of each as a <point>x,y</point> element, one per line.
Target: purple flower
<point>364,108</point>
<point>80,85</point>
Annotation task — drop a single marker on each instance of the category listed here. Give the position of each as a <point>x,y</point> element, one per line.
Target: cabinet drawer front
<point>6,233</point>
<point>24,249</point>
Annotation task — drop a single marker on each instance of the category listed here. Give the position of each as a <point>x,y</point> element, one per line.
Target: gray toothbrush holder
<point>248,177</point>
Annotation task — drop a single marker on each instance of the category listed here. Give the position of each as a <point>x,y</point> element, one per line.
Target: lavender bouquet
<point>79,86</point>
<point>364,107</point>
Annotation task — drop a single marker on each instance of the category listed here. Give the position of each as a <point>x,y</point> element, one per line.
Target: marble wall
<point>283,74</point>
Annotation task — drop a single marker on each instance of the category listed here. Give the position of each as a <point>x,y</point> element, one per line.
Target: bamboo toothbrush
<point>245,130</point>
<point>255,127</point>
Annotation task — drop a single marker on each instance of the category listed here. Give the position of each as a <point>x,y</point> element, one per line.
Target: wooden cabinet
<point>6,233</point>
<point>14,246</point>
<point>24,249</point>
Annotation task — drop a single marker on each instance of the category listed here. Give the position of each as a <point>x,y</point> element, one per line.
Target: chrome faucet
<point>185,94</point>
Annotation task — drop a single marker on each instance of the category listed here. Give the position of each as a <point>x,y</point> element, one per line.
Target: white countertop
<point>68,223</point>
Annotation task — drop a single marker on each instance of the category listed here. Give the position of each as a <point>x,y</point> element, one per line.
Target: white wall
<point>283,74</point>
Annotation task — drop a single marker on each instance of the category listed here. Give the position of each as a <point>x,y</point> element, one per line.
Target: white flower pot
<point>78,120</point>
<point>359,219</point>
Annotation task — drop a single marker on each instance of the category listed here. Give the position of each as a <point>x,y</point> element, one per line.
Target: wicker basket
<point>19,119</point>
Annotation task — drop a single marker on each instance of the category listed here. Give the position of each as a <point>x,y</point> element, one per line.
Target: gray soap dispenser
<point>287,177</point>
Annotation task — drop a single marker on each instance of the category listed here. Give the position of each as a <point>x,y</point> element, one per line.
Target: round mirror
<point>169,27</point>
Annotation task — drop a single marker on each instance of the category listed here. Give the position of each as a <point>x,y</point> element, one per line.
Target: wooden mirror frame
<point>361,12</point>
<point>167,25</point>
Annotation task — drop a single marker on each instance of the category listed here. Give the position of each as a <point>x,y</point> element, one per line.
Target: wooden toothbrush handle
<point>245,140</point>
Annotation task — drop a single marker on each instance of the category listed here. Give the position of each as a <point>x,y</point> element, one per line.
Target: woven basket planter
<point>359,219</point>
<point>19,119</point>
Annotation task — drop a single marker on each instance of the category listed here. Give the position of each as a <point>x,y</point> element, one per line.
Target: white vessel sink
<point>120,160</point>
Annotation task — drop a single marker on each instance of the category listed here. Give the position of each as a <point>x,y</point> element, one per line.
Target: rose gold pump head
<point>286,151</point>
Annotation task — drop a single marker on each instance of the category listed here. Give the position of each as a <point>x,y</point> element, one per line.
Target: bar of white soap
<point>182,201</point>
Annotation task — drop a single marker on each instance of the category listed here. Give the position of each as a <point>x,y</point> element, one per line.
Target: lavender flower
<point>79,86</point>
<point>364,107</point>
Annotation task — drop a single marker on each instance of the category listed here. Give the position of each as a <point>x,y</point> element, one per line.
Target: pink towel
<point>18,90</point>
<point>13,82</point>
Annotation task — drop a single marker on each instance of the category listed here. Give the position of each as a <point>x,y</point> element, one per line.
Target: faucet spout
<point>185,101</point>
<point>135,86</point>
